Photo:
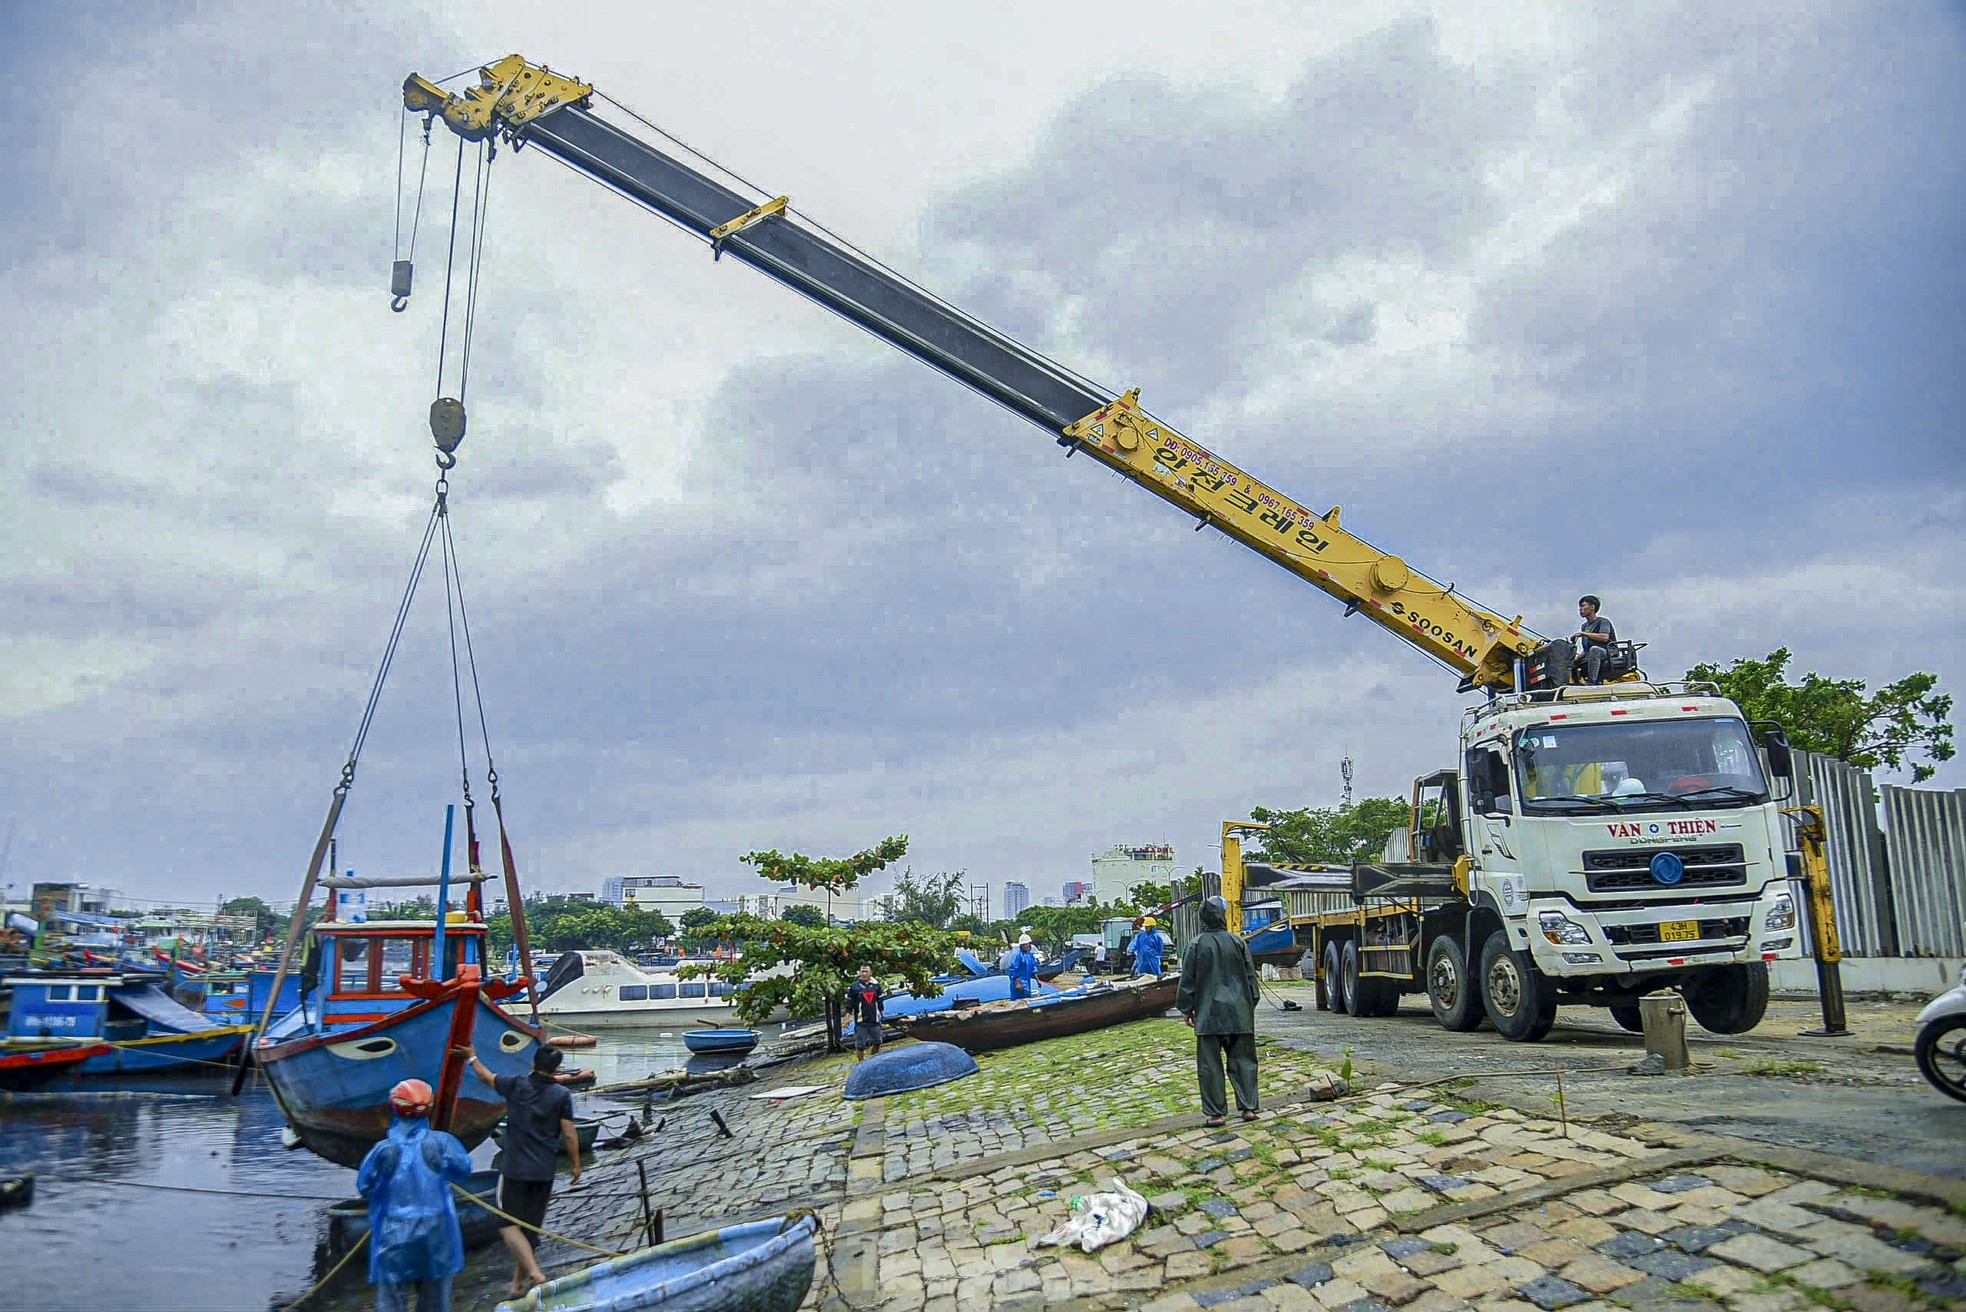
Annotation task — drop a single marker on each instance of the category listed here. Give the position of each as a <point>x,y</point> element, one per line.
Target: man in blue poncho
<point>1023,969</point>
<point>1147,946</point>
<point>414,1241</point>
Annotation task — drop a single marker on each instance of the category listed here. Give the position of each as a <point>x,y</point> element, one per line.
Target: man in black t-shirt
<point>538,1125</point>
<point>1597,635</point>
<point>863,1008</point>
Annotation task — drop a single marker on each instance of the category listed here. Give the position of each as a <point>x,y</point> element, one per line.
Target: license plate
<point>1678,931</point>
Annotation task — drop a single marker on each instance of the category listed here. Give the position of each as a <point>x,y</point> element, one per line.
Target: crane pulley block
<point>510,94</point>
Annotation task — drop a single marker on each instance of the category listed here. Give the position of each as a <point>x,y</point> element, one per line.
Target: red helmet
<point>411,1098</point>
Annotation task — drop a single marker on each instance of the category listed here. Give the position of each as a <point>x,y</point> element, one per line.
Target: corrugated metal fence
<point>1925,846</point>
<point>1899,885</point>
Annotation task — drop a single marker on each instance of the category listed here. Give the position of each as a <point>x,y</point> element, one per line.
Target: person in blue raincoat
<point>414,1240</point>
<point>1147,946</point>
<point>1023,969</point>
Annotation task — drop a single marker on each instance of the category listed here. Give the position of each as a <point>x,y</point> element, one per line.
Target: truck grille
<point>1647,935</point>
<point>1716,865</point>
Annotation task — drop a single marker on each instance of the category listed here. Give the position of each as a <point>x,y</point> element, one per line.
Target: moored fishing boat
<point>1088,1006</point>
<point>34,1063</point>
<point>765,1266</point>
<point>140,1028</point>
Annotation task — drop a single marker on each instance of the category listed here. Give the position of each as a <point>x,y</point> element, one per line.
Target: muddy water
<point>169,1194</point>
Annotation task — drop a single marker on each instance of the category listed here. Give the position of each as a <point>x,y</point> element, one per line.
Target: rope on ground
<point>333,1271</point>
<point>541,1231</point>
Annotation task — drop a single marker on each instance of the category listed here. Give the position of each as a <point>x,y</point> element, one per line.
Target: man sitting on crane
<point>1598,637</point>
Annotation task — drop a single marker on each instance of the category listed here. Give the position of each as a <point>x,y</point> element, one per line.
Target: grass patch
<point>1785,1068</point>
<point>1433,1138</point>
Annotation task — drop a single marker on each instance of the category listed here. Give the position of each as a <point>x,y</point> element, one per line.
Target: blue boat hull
<point>765,1266</point>
<point>168,1052</point>
<point>334,1088</point>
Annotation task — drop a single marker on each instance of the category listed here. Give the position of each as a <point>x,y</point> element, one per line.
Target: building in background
<point>668,894</point>
<point>845,908</point>
<point>1120,867</point>
<point>1076,892</point>
<point>1015,898</point>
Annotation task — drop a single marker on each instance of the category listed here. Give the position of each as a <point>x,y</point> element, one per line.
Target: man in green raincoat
<point>1218,1000</point>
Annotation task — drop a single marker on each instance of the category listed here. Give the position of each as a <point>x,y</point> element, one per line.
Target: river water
<point>170,1194</point>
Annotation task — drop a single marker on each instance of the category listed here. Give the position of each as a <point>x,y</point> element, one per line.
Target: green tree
<point>266,921</point>
<point>1054,926</point>
<point>800,913</point>
<point>932,900</point>
<point>697,919</point>
<point>1336,835</point>
<point>823,959</point>
<point>1150,897</point>
<point>1840,717</point>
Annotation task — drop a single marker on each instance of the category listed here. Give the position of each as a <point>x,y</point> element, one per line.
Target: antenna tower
<point>1345,769</point>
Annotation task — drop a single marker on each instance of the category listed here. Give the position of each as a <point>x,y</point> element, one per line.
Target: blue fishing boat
<point>720,1040</point>
<point>148,1031</point>
<point>372,1013</point>
<point>765,1266</point>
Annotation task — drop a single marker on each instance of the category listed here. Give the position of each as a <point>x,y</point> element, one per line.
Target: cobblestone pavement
<point>1040,1094</point>
<point>1423,1203</point>
<point>1416,1198</point>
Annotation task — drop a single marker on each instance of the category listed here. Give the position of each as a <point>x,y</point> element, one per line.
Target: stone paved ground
<point>1413,1198</point>
<point>1039,1094</point>
<point>1330,1208</point>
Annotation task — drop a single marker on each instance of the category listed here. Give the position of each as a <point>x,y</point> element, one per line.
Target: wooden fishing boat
<point>720,1040</point>
<point>1090,1006</point>
<point>765,1266</point>
<point>371,1015</point>
<point>349,1221</point>
<point>32,1064</point>
<point>139,1028</point>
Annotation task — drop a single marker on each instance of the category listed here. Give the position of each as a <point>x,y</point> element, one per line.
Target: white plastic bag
<point>1099,1219</point>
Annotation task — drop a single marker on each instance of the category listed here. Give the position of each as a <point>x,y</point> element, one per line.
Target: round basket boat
<point>905,1069</point>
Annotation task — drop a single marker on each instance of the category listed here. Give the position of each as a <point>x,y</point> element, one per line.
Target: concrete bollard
<point>1664,1017</point>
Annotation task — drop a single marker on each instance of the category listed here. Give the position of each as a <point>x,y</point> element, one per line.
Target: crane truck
<point>1591,842</point>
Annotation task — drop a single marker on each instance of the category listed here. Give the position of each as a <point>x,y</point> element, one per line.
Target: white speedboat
<point>594,988</point>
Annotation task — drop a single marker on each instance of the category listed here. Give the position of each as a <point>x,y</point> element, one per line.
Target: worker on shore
<point>538,1126</point>
<point>1023,969</point>
<point>1217,998</point>
<point>1597,637</point>
<point>415,1245</point>
<point>863,1008</point>
<point>1147,947</point>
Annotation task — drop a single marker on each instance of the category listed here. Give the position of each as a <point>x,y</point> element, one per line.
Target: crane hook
<point>400,275</point>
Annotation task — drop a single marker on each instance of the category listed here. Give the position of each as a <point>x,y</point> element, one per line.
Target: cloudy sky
<point>1663,303</point>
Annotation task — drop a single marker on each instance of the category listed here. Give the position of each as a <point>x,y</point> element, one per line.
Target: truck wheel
<point>1334,979</point>
<point>1520,1003</point>
<point>1366,997</point>
<point>1322,987</point>
<point>1629,1017</point>
<point>1730,999</point>
<point>1452,992</point>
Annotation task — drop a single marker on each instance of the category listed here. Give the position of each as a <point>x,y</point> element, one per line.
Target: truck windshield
<point>1642,765</point>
